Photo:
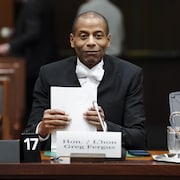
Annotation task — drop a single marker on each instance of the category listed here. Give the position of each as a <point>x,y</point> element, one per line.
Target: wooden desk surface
<point>131,168</point>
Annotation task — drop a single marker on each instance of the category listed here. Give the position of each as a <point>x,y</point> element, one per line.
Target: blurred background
<point>151,41</point>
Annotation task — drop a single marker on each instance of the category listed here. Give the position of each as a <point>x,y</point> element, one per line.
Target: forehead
<point>90,23</point>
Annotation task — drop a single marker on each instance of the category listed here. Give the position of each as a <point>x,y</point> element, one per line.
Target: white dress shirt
<point>89,77</point>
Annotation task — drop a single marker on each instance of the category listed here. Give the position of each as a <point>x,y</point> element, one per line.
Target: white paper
<point>74,101</point>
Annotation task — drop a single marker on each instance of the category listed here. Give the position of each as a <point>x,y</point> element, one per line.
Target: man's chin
<point>90,62</point>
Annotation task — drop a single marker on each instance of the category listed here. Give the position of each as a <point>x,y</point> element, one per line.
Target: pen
<point>95,105</point>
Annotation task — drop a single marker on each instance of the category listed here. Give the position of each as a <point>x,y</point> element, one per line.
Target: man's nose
<point>91,41</point>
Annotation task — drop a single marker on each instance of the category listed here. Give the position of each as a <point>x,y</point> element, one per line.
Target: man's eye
<point>98,36</point>
<point>83,36</point>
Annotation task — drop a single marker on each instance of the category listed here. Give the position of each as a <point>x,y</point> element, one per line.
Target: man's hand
<point>92,117</point>
<point>53,119</point>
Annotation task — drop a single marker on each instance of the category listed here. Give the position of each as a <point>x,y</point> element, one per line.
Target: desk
<point>131,168</point>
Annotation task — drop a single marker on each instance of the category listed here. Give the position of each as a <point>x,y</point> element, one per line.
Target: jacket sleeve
<point>133,116</point>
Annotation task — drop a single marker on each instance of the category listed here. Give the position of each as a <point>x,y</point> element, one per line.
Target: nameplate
<point>99,144</point>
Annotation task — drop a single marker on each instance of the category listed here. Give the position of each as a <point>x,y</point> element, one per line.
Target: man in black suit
<point>119,86</point>
<point>34,39</point>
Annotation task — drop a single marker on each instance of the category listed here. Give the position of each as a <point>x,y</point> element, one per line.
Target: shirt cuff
<point>41,138</point>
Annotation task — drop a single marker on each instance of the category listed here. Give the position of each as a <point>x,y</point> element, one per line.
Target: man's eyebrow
<point>98,32</point>
<point>83,31</point>
<point>86,32</point>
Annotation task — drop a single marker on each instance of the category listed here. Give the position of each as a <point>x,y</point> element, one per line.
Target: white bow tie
<point>95,73</point>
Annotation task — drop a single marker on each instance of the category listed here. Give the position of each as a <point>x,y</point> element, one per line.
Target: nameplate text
<point>108,144</point>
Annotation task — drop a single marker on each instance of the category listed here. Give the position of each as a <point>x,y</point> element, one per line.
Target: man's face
<point>90,40</point>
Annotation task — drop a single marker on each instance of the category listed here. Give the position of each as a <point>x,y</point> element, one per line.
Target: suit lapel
<point>70,79</point>
<point>108,73</point>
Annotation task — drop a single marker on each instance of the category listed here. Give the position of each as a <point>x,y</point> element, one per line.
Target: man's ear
<point>71,37</point>
<point>108,40</point>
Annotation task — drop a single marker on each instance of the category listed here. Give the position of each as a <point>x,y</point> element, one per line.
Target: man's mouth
<point>91,52</point>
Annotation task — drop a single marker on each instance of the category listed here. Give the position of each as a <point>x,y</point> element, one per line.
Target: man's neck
<point>89,66</point>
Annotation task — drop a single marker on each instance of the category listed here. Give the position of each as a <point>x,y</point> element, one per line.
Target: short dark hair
<point>87,13</point>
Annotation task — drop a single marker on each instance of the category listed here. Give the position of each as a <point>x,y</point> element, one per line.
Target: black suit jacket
<point>35,35</point>
<point>120,94</point>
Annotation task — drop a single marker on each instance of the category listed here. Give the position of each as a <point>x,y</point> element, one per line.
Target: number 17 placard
<point>30,148</point>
